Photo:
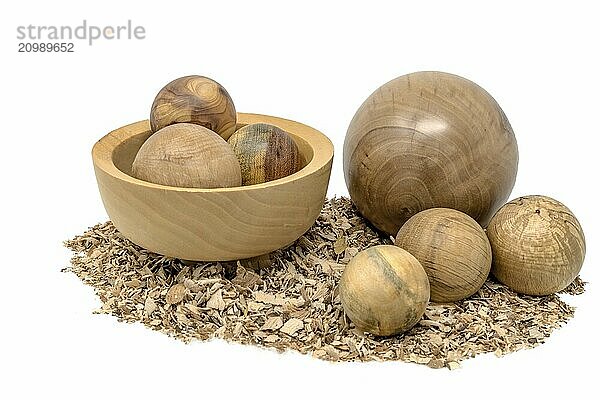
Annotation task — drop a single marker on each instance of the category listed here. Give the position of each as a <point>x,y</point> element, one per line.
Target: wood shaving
<point>272,324</point>
<point>216,301</point>
<point>292,326</point>
<point>288,299</point>
<point>174,295</point>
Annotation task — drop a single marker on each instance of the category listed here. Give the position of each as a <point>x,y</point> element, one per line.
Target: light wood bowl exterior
<point>213,224</point>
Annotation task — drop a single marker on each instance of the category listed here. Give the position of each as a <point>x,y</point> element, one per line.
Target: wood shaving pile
<point>288,299</point>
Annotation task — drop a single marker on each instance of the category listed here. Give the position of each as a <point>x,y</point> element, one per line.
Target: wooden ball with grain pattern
<point>265,153</point>
<point>425,140</point>
<point>187,155</point>
<point>538,245</point>
<point>453,249</point>
<point>384,290</point>
<point>194,99</point>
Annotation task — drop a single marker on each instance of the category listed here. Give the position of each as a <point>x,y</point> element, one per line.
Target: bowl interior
<point>124,153</point>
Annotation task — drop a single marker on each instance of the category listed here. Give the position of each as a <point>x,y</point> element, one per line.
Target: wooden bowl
<point>213,224</point>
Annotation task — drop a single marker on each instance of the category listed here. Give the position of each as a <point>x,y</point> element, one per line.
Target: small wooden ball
<point>265,153</point>
<point>538,245</point>
<point>453,249</point>
<point>187,155</point>
<point>197,100</point>
<point>425,140</point>
<point>384,290</point>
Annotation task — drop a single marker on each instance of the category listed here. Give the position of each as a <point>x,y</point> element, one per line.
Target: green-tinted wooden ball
<point>265,153</point>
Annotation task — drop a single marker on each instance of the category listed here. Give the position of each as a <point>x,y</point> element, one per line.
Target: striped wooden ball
<point>384,290</point>
<point>265,153</point>
<point>197,100</point>
<point>453,249</point>
<point>538,245</point>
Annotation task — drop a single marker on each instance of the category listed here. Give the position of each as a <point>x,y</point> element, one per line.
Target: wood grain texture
<point>187,155</point>
<point>429,139</point>
<point>538,245</point>
<point>265,153</point>
<point>453,249</point>
<point>197,100</point>
<point>384,290</point>
<point>212,224</point>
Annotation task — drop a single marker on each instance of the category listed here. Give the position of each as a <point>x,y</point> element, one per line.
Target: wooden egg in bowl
<point>218,224</point>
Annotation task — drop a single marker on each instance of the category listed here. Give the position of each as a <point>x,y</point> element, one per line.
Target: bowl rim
<point>103,149</point>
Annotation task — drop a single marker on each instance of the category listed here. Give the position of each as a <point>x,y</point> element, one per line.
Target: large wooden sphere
<point>429,139</point>
<point>194,99</point>
<point>538,245</point>
<point>384,290</point>
<point>187,155</point>
<point>265,152</point>
<point>453,249</point>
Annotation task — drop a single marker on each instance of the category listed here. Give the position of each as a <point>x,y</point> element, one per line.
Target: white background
<point>314,62</point>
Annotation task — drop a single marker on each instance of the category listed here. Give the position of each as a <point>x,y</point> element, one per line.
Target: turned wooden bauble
<point>265,153</point>
<point>197,100</point>
<point>538,245</point>
<point>453,249</point>
<point>187,155</point>
<point>425,140</point>
<point>384,290</point>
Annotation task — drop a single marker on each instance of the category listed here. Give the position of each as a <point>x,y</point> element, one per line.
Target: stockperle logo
<point>53,36</point>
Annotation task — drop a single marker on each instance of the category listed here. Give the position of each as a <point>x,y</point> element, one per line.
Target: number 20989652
<point>26,47</point>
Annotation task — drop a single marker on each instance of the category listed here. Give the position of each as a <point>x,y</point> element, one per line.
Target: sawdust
<point>288,299</point>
